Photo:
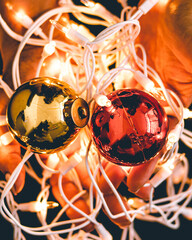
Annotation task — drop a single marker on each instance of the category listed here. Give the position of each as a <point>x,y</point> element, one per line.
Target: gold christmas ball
<point>45,114</point>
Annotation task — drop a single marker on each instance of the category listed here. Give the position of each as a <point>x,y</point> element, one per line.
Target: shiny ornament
<point>132,130</point>
<point>45,114</point>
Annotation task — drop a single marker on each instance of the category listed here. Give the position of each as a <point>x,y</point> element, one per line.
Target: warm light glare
<point>3,120</point>
<point>102,100</point>
<point>58,26</point>
<point>173,7</point>
<point>6,138</point>
<point>173,136</point>
<point>163,3</point>
<point>51,204</point>
<point>169,165</point>
<point>36,206</point>
<point>54,68</point>
<point>135,202</point>
<point>9,6</point>
<point>53,160</point>
<point>130,201</point>
<point>20,15</point>
<point>49,48</point>
<point>88,3</point>
<point>187,113</point>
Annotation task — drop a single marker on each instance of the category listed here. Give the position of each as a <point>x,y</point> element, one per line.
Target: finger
<point>70,190</point>
<point>115,208</point>
<point>115,174</point>
<point>145,191</point>
<point>9,159</point>
<point>83,175</point>
<point>139,175</point>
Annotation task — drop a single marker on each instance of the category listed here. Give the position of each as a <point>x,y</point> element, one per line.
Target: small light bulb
<point>144,81</point>
<point>59,26</point>
<point>36,206</point>
<point>54,67</point>
<point>130,201</point>
<point>25,20</point>
<point>174,136</point>
<point>9,6</point>
<point>187,213</point>
<point>88,3</point>
<point>163,3</point>
<point>51,204</point>
<point>178,173</point>
<point>187,113</point>
<point>6,138</point>
<point>135,202</point>
<point>49,48</point>
<point>102,100</point>
<point>53,160</point>
<point>20,15</point>
<point>75,26</point>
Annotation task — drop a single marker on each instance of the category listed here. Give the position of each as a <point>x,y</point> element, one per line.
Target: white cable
<point>147,5</point>
<point>6,88</point>
<point>95,55</point>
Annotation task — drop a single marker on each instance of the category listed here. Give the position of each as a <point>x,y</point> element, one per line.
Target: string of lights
<point>92,64</point>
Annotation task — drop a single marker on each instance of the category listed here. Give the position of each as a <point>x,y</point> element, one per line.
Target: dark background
<point>146,230</point>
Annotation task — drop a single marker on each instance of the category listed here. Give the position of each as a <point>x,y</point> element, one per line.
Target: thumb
<point>9,159</point>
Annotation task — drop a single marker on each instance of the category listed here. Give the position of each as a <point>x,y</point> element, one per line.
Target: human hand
<point>136,179</point>
<point>166,37</point>
<point>10,154</point>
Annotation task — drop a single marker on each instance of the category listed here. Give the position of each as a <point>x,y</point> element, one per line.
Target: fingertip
<point>20,182</point>
<point>145,191</point>
<point>10,160</point>
<point>115,174</point>
<point>116,208</point>
<point>139,175</point>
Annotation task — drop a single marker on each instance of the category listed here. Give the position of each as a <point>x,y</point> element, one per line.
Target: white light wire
<point>165,206</point>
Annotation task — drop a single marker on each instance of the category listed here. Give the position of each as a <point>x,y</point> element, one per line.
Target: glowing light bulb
<point>64,72</point>
<point>71,33</point>
<point>75,26</point>
<point>9,6</point>
<point>49,48</point>
<point>187,113</point>
<point>174,136</point>
<point>144,81</point>
<point>54,68</point>
<point>88,3</point>
<point>130,201</point>
<point>19,15</point>
<point>135,202</point>
<point>178,173</point>
<point>102,100</point>
<point>58,26</point>
<point>36,206</point>
<point>53,160</point>
<point>6,138</point>
<point>163,3</point>
<point>25,20</point>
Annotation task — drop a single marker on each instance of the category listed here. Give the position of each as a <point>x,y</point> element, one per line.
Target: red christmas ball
<point>132,130</point>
